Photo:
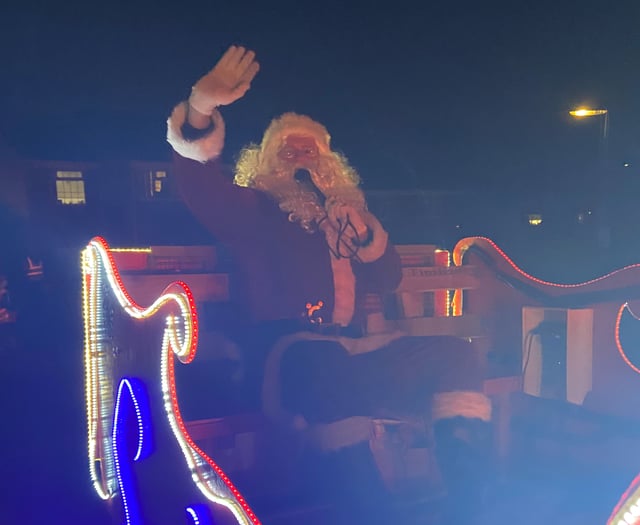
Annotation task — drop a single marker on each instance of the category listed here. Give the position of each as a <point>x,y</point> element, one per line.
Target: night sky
<point>439,95</point>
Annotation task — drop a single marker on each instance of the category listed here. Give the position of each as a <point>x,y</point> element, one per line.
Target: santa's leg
<point>461,417</point>
<point>400,378</point>
<point>449,373</point>
<point>319,383</point>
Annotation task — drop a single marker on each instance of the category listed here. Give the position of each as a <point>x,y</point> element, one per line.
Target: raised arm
<point>195,128</point>
<point>196,131</point>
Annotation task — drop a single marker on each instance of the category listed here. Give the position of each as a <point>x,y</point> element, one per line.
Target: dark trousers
<point>324,383</point>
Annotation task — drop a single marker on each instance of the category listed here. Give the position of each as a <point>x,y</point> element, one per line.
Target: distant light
<point>458,226</point>
<point>587,112</point>
<point>583,216</point>
<point>535,219</point>
<point>626,165</point>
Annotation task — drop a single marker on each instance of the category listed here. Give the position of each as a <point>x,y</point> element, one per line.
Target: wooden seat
<point>500,390</point>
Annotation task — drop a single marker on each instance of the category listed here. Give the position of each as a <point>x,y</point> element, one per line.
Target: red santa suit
<point>328,371</point>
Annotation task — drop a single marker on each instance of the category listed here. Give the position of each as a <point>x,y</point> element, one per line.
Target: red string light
<point>193,328</point>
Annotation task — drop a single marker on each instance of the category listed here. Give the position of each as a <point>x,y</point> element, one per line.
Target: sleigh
<point>155,456</point>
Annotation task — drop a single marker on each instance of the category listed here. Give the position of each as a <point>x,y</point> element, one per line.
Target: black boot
<point>355,487</point>
<point>464,451</point>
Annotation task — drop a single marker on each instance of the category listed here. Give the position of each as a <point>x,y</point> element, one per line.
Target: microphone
<point>303,177</point>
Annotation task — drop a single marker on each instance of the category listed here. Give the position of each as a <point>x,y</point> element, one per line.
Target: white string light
<point>180,338</point>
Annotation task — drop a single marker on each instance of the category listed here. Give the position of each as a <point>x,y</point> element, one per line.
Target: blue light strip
<point>199,514</point>
<point>133,402</point>
<point>194,516</point>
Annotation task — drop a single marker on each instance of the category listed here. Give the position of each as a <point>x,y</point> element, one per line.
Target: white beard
<point>301,206</point>
<point>301,203</point>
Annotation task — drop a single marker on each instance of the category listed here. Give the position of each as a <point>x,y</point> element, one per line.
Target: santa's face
<point>299,151</point>
<point>302,178</point>
<point>300,158</point>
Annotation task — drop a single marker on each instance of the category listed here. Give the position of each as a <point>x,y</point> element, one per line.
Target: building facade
<point>58,205</point>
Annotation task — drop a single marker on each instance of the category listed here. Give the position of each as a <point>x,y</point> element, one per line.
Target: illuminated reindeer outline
<point>180,337</point>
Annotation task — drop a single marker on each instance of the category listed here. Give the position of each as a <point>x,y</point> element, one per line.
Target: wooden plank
<point>183,258</point>
<point>146,288</point>
<point>502,385</point>
<point>166,258</point>
<point>430,278</point>
<point>462,326</point>
<point>226,426</point>
<point>500,390</point>
<point>579,354</point>
<point>418,254</point>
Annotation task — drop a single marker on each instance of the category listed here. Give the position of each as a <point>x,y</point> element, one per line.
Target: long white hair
<point>259,167</point>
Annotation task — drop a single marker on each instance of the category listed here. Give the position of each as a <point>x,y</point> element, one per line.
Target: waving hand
<point>228,81</point>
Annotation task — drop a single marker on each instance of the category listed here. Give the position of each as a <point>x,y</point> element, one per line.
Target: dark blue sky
<point>439,94</point>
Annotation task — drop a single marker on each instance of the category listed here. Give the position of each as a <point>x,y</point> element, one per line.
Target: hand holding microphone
<point>347,229</point>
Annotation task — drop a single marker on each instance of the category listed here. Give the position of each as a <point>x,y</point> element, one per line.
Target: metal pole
<point>604,230</point>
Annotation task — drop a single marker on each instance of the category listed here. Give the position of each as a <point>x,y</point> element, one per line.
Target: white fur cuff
<point>202,150</point>
<point>380,238</point>
<point>461,403</point>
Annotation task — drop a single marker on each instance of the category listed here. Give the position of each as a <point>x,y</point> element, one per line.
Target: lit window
<point>156,179</point>
<point>70,187</point>
<point>535,219</point>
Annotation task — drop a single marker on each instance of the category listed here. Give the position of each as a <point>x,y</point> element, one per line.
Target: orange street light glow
<point>586,112</point>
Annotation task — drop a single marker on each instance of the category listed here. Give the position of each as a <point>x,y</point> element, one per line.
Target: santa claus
<point>307,253</point>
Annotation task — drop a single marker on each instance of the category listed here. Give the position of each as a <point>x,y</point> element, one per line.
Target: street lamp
<point>586,112</point>
<point>589,112</point>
